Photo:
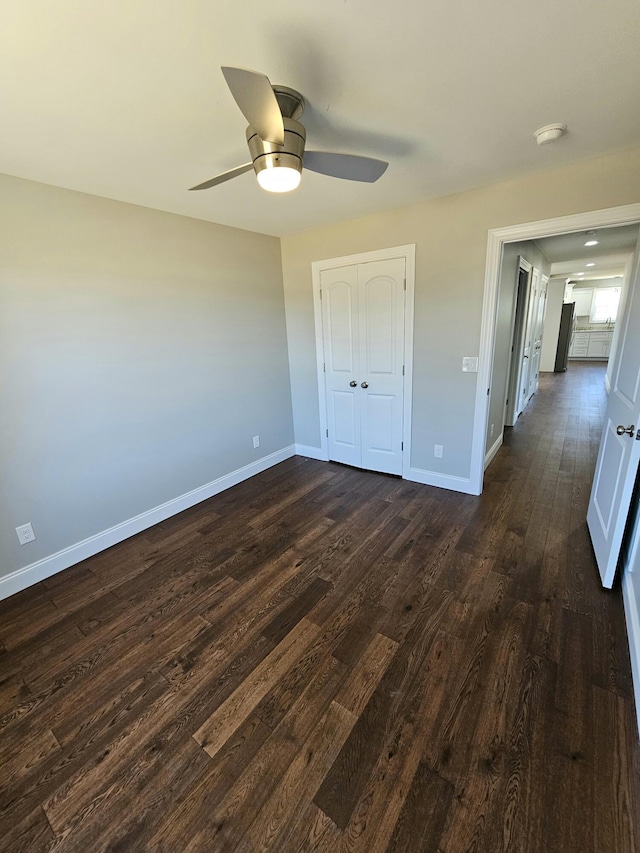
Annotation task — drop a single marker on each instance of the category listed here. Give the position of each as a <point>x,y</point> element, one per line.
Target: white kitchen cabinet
<point>587,344</point>
<point>579,345</point>
<point>599,344</point>
<point>583,299</point>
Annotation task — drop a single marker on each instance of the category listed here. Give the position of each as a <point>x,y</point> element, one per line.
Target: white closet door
<point>381,319</point>
<point>363,333</point>
<point>342,363</point>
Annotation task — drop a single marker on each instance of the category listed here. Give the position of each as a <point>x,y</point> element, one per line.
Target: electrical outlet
<point>256,441</point>
<point>25,533</point>
<point>437,451</point>
<point>469,364</point>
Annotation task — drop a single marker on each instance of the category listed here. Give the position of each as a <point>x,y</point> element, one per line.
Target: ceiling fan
<point>276,138</point>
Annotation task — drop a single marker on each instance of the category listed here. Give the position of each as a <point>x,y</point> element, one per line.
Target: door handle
<point>622,430</point>
<point>364,384</point>
<point>353,383</point>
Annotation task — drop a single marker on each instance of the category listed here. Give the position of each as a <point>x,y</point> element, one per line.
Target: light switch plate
<point>470,364</point>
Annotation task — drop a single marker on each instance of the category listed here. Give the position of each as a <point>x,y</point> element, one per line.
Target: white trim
<point>495,447</point>
<point>407,252</point>
<point>36,572</point>
<point>516,344</point>
<point>624,215</point>
<point>322,399</point>
<point>632,618</point>
<point>311,452</point>
<point>442,481</point>
<point>607,384</point>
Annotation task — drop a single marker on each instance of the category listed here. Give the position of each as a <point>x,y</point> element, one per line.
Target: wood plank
<point>423,815</point>
<point>269,830</point>
<point>190,816</point>
<point>227,822</point>
<point>409,727</point>
<point>615,822</point>
<point>213,733</point>
<point>350,773</point>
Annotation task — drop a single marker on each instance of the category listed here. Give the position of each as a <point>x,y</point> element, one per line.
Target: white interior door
<point>514,395</point>
<point>527,349</point>
<point>363,333</point>
<point>619,453</point>
<point>538,328</point>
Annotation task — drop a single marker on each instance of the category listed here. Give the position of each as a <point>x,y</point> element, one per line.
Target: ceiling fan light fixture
<point>279,178</point>
<point>276,139</point>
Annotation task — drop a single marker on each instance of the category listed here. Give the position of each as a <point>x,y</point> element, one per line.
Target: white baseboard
<point>632,618</point>
<point>311,452</point>
<point>442,481</point>
<point>495,447</point>
<point>36,572</point>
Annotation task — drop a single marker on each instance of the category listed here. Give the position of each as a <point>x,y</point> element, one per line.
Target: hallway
<point>327,659</point>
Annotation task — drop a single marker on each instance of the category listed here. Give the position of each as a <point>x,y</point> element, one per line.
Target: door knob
<point>364,384</point>
<point>353,383</point>
<point>622,430</point>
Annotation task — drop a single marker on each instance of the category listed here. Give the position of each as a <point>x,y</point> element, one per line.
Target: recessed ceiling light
<point>590,265</point>
<point>579,273</point>
<point>591,243</point>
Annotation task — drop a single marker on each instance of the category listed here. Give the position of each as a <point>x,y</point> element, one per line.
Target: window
<point>604,307</point>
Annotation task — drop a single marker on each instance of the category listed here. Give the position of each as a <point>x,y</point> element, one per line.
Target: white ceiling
<point>125,99</point>
<point>570,257</point>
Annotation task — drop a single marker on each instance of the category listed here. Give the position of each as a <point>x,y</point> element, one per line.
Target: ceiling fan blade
<point>347,166</point>
<point>225,176</point>
<point>255,97</point>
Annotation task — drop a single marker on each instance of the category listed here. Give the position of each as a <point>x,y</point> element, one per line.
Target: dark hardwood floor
<point>325,659</point>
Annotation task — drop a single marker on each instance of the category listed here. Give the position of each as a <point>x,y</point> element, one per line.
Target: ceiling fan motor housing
<point>267,155</point>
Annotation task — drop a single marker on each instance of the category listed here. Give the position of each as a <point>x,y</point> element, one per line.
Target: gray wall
<point>140,352</point>
<point>507,292</point>
<point>451,242</point>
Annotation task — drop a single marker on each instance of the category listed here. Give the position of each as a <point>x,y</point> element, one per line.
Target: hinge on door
<point>405,284</point>
<point>638,435</point>
<point>402,444</point>
<point>321,296</point>
<point>507,403</point>
<point>324,366</point>
<point>488,389</point>
<point>403,369</point>
<point>327,432</point>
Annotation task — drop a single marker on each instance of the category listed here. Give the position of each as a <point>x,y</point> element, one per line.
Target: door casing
<point>497,237</point>
<point>518,323</point>
<point>407,252</point>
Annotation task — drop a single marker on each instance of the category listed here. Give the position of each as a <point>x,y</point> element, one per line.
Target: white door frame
<point>409,254</point>
<point>521,302</point>
<point>497,237</point>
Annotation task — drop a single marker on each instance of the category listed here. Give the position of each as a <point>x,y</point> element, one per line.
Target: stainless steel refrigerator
<point>564,336</point>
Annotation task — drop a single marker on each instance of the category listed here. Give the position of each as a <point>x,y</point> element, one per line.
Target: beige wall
<point>451,238</point>
<point>139,353</point>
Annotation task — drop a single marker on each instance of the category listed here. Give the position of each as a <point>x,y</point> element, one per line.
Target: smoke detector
<point>550,133</point>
